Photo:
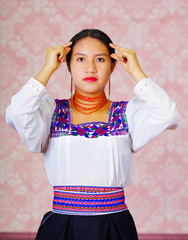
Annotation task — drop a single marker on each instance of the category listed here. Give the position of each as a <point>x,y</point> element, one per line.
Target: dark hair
<point>93,33</point>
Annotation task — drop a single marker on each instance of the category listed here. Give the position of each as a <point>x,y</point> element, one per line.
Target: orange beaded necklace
<point>88,105</point>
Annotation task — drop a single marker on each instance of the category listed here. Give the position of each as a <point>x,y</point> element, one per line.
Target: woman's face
<point>90,66</point>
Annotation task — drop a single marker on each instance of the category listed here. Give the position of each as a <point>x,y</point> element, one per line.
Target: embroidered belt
<point>88,200</point>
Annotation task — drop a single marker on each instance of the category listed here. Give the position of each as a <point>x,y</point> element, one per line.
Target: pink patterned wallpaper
<point>156,29</point>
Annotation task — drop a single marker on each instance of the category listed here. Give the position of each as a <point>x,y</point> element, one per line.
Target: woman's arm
<point>149,113</point>
<point>30,111</point>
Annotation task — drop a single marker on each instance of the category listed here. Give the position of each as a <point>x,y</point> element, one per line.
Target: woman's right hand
<point>56,55</point>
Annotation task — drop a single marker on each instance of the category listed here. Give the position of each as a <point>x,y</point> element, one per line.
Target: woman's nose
<point>91,67</point>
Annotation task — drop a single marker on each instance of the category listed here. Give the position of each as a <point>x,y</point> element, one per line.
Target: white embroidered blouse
<point>93,153</point>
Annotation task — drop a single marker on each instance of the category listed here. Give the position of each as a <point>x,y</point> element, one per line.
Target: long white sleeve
<point>29,113</point>
<point>149,113</point>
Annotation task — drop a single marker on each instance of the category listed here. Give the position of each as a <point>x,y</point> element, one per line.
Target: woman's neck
<point>87,104</point>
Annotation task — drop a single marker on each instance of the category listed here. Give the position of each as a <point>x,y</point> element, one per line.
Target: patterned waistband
<point>88,200</point>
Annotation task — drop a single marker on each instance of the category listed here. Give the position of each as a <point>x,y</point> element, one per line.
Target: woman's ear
<point>113,66</point>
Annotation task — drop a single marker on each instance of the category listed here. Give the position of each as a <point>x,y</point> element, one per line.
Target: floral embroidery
<point>101,131</point>
<point>62,126</point>
<point>89,130</point>
<point>82,131</point>
<point>116,121</point>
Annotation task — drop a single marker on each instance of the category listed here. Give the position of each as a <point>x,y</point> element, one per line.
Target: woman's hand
<point>56,55</point>
<point>128,59</point>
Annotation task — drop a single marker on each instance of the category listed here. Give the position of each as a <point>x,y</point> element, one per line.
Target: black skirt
<point>115,226</point>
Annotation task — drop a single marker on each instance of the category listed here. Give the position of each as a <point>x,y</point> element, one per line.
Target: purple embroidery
<point>61,122</point>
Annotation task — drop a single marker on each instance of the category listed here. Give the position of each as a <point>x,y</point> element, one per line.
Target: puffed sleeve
<point>149,113</point>
<point>29,113</point>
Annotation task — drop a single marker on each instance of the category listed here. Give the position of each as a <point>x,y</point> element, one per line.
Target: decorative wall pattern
<point>157,31</point>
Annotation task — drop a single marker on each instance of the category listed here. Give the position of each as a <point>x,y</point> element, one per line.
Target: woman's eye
<point>80,59</point>
<point>100,59</point>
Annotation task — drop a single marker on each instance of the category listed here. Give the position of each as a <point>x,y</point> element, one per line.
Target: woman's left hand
<point>128,59</point>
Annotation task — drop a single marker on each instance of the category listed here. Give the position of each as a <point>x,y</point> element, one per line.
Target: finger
<point>114,56</point>
<point>120,49</point>
<point>63,53</point>
<point>119,58</point>
<point>60,56</point>
<point>115,47</point>
<point>66,45</point>
<point>67,50</point>
<point>123,56</point>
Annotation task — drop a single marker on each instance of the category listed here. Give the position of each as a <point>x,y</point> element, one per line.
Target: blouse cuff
<point>36,86</point>
<point>140,86</point>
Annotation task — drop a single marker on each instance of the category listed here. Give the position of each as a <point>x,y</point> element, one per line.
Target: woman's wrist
<point>139,75</point>
<point>44,75</point>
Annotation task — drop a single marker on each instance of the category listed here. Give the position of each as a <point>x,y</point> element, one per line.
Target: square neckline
<point>90,122</point>
<point>62,126</point>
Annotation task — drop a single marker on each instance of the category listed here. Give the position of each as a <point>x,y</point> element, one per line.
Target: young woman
<point>87,140</point>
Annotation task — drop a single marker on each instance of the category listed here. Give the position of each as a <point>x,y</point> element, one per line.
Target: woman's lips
<point>90,79</point>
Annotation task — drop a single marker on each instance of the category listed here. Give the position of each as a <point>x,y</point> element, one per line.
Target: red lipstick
<point>90,79</point>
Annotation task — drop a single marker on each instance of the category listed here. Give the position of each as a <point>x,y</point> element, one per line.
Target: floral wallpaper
<point>156,29</point>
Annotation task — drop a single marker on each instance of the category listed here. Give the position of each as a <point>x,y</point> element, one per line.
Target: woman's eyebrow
<point>101,54</point>
<point>82,54</point>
